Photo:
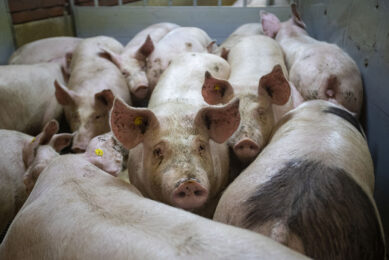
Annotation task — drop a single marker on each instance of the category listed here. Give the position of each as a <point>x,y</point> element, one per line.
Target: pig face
<point>178,155</point>
<point>106,153</point>
<point>133,66</point>
<point>256,114</point>
<point>40,150</point>
<point>87,117</point>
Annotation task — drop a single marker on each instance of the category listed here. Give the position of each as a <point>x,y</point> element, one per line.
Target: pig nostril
<point>198,193</point>
<point>181,194</point>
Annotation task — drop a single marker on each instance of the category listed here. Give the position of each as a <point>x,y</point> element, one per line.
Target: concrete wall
<point>6,41</point>
<point>361,28</point>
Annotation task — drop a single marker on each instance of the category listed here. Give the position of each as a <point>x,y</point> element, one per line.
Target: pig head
<point>177,159</point>
<point>87,115</point>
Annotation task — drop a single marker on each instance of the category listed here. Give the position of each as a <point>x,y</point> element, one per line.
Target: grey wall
<point>361,27</point>
<point>6,40</point>
<point>123,22</point>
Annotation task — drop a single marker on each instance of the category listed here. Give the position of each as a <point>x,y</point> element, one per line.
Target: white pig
<point>93,84</point>
<point>12,190</point>
<point>53,49</point>
<point>27,99</point>
<point>318,69</point>
<point>179,40</point>
<point>242,31</point>
<point>77,211</point>
<point>311,188</point>
<point>102,151</point>
<point>178,155</point>
<point>132,60</point>
<point>260,79</point>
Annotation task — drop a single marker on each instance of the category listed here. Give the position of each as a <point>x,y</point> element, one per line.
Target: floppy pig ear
<point>296,16</point>
<point>64,96</point>
<point>111,56</point>
<point>275,86</point>
<point>130,124</point>
<point>43,138</point>
<point>216,91</point>
<point>61,141</point>
<point>270,23</point>
<point>220,122</point>
<point>224,53</point>
<point>106,97</point>
<point>146,49</point>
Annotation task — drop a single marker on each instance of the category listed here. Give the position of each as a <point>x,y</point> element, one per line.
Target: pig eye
<point>201,148</point>
<point>98,116</point>
<point>125,73</point>
<point>157,153</point>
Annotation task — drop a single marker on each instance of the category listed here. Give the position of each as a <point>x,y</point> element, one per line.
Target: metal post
<point>219,2</point>
<point>96,3</point>
<point>145,3</point>
<point>120,2</point>
<point>194,2</point>
<point>170,3</point>
<point>244,3</point>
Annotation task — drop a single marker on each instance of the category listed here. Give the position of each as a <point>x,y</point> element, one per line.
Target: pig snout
<point>141,91</point>
<point>246,150</point>
<point>80,144</point>
<point>189,195</point>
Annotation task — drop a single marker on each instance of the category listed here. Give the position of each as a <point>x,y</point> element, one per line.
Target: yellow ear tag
<point>217,87</point>
<point>138,120</point>
<point>33,139</point>
<point>99,152</point>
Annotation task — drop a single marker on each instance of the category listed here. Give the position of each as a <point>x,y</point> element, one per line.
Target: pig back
<point>78,211</point>
<point>183,79</point>
<point>30,87</point>
<point>45,50</point>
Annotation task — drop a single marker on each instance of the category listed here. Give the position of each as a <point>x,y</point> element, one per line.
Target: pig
<point>242,31</point>
<point>178,155</point>
<point>260,3</point>
<point>254,59</point>
<point>93,84</point>
<point>132,60</point>
<point>318,69</point>
<point>311,188</point>
<point>12,190</point>
<point>77,211</point>
<point>27,99</point>
<point>17,178</point>
<point>54,49</point>
<point>179,40</point>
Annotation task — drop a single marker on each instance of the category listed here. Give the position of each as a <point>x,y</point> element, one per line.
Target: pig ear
<point>296,16</point>
<point>61,141</point>
<point>129,125</point>
<point>220,122</point>
<point>106,97</point>
<point>145,50</point>
<point>216,91</point>
<point>42,138</point>
<point>225,53</point>
<point>270,23</point>
<point>111,56</point>
<point>211,46</point>
<point>275,86</point>
<point>64,96</point>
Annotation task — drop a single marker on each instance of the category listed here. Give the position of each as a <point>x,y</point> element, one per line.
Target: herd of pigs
<point>260,133</point>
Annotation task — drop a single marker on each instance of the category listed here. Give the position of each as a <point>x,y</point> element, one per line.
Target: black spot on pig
<point>323,207</point>
<point>346,116</point>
